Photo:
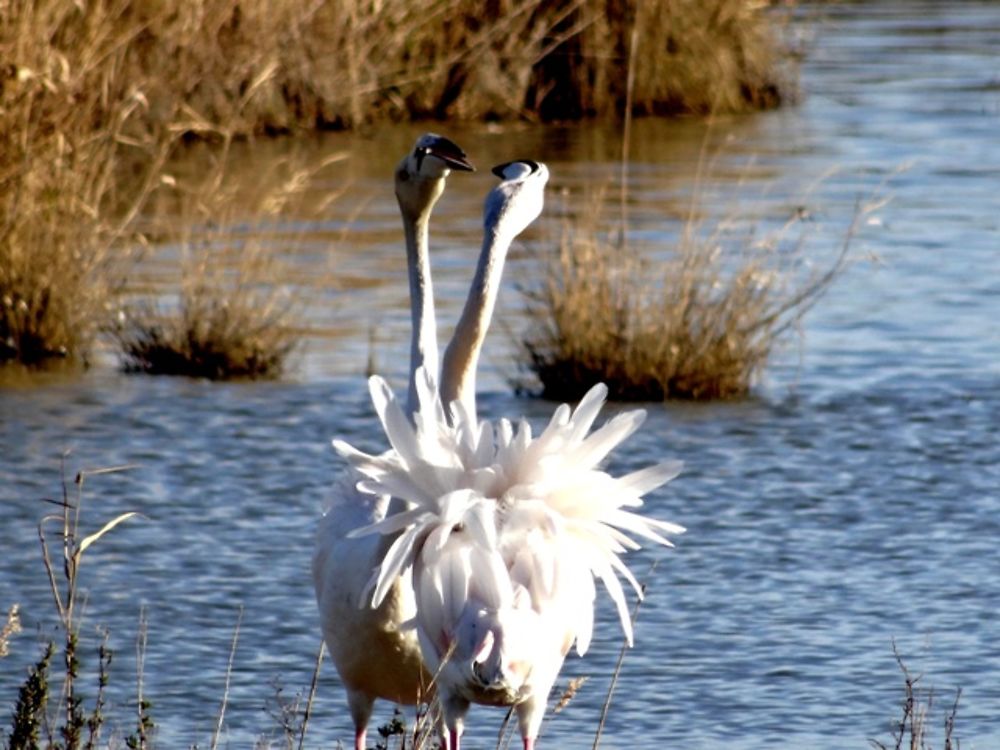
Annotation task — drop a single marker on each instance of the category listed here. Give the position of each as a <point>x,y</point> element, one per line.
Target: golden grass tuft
<point>215,334</point>
<point>231,318</point>
<point>699,324</point>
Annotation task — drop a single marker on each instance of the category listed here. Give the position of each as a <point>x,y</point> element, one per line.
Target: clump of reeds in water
<point>214,333</point>
<point>232,316</point>
<point>700,323</point>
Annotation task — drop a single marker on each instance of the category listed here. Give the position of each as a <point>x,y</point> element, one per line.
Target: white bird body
<point>375,656</point>
<point>504,537</point>
<point>504,533</point>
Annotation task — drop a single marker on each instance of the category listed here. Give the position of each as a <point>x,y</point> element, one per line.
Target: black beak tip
<point>451,154</point>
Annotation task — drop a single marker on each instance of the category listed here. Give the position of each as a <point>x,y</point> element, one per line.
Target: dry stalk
<point>312,694</point>
<point>618,666</point>
<point>11,628</point>
<point>229,675</point>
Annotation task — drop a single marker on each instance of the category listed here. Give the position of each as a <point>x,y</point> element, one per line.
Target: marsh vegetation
<point>96,99</point>
<point>697,320</point>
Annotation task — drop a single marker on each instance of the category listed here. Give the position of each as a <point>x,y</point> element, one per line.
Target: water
<point>854,500</point>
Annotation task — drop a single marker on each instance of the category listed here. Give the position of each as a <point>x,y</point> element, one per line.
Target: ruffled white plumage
<point>541,504</point>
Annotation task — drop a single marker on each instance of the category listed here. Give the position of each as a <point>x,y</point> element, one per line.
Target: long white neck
<point>423,341</point>
<point>461,358</point>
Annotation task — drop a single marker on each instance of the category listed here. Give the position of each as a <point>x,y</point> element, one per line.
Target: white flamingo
<point>374,656</point>
<point>504,533</point>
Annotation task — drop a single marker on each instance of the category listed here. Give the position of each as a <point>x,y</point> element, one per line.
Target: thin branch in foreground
<point>144,724</point>
<point>910,731</point>
<point>618,665</point>
<point>229,674</point>
<point>312,693</point>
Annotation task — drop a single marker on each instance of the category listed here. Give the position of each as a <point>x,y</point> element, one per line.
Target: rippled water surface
<point>854,500</point>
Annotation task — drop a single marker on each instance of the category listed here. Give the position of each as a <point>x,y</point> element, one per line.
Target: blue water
<point>853,501</point>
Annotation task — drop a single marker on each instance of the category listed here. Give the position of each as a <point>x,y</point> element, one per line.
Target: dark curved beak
<point>451,154</point>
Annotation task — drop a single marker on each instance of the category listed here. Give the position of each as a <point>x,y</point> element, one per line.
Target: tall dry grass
<point>699,323</point>
<point>43,717</point>
<point>259,66</point>
<point>89,116</point>
<point>77,161</point>
<point>94,96</point>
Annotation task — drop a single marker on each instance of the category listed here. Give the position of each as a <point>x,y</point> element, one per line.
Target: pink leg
<point>453,743</point>
<point>359,738</point>
<point>529,743</point>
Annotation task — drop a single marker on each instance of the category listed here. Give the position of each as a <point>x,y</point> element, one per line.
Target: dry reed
<point>700,324</point>
<point>250,66</point>
<point>77,163</point>
<point>94,97</point>
<point>10,628</point>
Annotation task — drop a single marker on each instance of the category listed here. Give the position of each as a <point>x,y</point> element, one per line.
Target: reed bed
<point>77,162</point>
<point>265,67</point>
<point>699,323</point>
<point>95,97</point>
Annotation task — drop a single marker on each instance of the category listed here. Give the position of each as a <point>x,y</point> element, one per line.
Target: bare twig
<point>312,693</point>
<point>229,674</point>
<point>633,49</point>
<point>618,665</point>
<point>140,673</point>
<point>910,732</point>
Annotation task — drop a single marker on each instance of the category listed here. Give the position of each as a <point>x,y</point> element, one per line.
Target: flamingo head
<point>518,200</point>
<point>420,176</point>
<point>483,661</point>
